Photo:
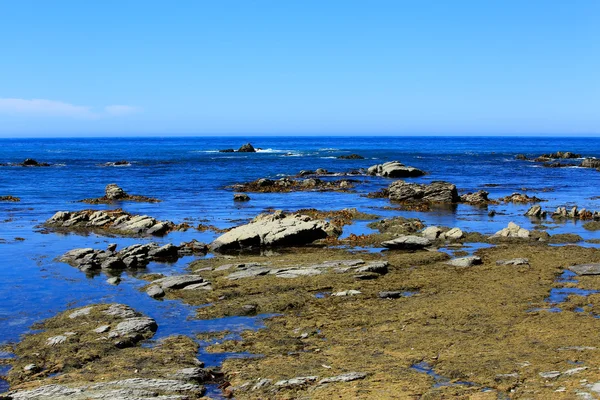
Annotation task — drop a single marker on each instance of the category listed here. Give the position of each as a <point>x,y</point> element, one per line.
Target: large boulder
<point>394,169</point>
<point>591,163</point>
<point>435,192</point>
<point>114,192</point>
<point>513,231</point>
<point>247,148</point>
<point>278,229</point>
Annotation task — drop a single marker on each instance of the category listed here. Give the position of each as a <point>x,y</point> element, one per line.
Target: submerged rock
<point>520,198</point>
<point>394,169</point>
<point>278,229</point>
<point>351,157</point>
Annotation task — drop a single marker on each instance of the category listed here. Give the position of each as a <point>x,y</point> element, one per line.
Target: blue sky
<point>299,67</point>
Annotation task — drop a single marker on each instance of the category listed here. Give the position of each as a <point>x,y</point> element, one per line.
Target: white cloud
<point>53,108</point>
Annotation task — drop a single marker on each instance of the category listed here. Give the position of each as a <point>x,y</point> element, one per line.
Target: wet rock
<point>30,162</point>
<point>465,261</point>
<point>521,157</point>
<point>558,155</point>
<point>575,213</point>
<point>514,261</point>
<point>380,267</point>
<point>241,197</point>
<point>453,234</point>
<point>115,280</point>
<point>351,157</point>
<point>133,327</point>
<point>155,292</point>
<point>394,169</point>
<point>432,232</point>
<point>111,247</point>
<point>535,212</point>
<point>114,192</point>
<point>520,198</point>
<point>11,199</point>
<point>513,230</point>
<point>408,242</point>
<point>586,269</point>
<point>247,148</point>
<point>590,163</point>
<point>177,281</point>
<point>347,377</point>
<point>121,311</point>
<point>278,229</point>
<point>227,151</point>
<point>435,192</point>
<point>112,263</point>
<point>120,163</point>
<point>479,197</point>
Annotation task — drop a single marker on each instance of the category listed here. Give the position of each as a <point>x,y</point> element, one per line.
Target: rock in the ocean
<point>408,242</point>
<point>247,148</point>
<point>479,197</point>
<point>278,229</point>
<point>435,192</point>
<point>241,197</point>
<point>535,212</point>
<point>591,163</point>
<point>114,192</point>
<point>514,231</point>
<point>394,169</point>
<point>431,232</point>
<point>351,157</point>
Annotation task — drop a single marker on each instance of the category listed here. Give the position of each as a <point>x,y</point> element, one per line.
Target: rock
<point>465,261</point>
<point>102,329</point>
<point>115,280</point>
<point>514,261</point>
<point>351,157</point>
<point>513,230</point>
<point>590,163</point>
<point>454,234</point>
<point>535,212</point>
<point>345,293</point>
<point>479,197</point>
<point>155,292</point>
<point>120,163</point>
<point>10,199</point>
<point>133,327</point>
<point>113,263</point>
<point>276,229</point>
<point>121,311</point>
<point>321,171</point>
<point>31,368</point>
<point>262,384</point>
<point>299,381</point>
<point>586,269</point>
<point>227,151</point>
<point>168,251</point>
<point>248,273</point>
<point>521,157</point>
<point>241,197</point>
<point>247,148</point>
<point>408,242</point>
<point>435,192</point>
<point>177,281</point>
<point>394,169</point>
<point>550,374</point>
<point>431,233</point>
<point>520,198</point>
<point>111,247</point>
<point>56,340</point>
<point>81,312</point>
<point>193,374</point>
<point>114,192</point>
<point>380,267</point>
<point>347,377</point>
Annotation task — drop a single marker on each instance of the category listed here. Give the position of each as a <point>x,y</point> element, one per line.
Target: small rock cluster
<point>131,257</point>
<point>11,199</point>
<point>575,213</point>
<point>176,282</point>
<point>114,193</point>
<point>284,185</point>
<point>435,192</point>
<point>434,232</point>
<point>394,169</point>
<point>116,222</point>
<point>246,148</point>
<point>29,162</point>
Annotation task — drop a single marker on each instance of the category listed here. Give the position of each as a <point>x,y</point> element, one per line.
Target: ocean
<point>191,177</point>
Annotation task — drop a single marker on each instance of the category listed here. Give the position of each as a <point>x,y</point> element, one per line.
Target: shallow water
<point>189,175</point>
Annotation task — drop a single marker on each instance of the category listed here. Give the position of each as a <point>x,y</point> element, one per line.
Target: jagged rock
<point>435,192</point>
<point>394,169</point>
<point>115,280</point>
<point>241,197</point>
<point>155,292</point>
<point>114,192</point>
<point>535,212</point>
<point>132,327</point>
<point>513,230</point>
<point>278,229</point>
<point>479,197</point>
<point>247,148</point>
<point>521,198</point>
<point>591,163</point>
<point>408,242</point>
<point>465,261</point>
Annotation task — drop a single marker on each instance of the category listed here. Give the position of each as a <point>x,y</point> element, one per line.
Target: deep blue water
<point>190,175</point>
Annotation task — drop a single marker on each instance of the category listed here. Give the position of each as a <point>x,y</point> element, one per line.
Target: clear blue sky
<point>299,67</point>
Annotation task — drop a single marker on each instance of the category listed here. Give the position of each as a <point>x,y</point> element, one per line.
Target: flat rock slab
<point>514,261</point>
<point>134,326</point>
<point>465,261</point>
<point>408,242</point>
<point>348,377</point>
<point>586,269</point>
<point>178,281</point>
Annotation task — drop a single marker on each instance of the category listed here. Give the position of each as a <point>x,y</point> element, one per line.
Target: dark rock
<point>479,197</point>
<point>247,148</point>
<point>351,157</point>
<point>227,151</point>
<point>407,242</point>
<point>521,157</point>
<point>10,199</point>
<point>394,294</point>
<point>591,163</point>
<point>435,192</point>
<point>241,197</point>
